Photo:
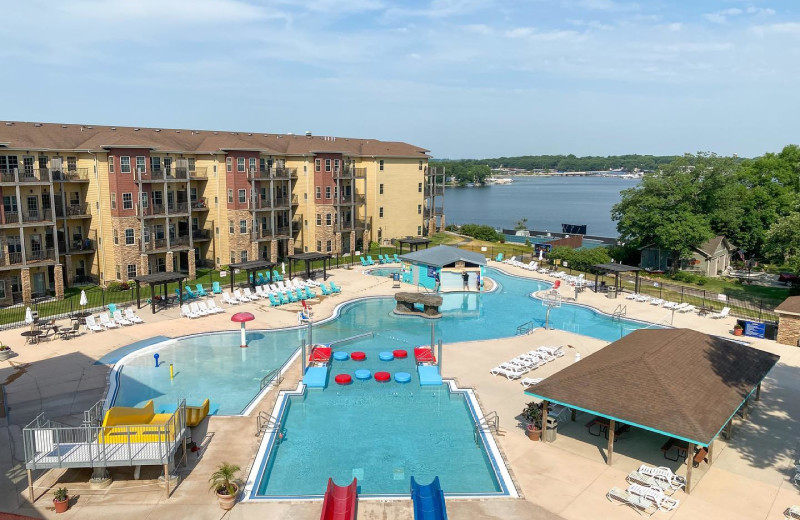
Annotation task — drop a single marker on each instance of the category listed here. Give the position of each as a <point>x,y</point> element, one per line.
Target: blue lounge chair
<point>181,298</point>
<point>112,308</point>
<point>291,295</point>
<point>380,259</point>
<point>261,279</point>
<point>334,288</point>
<point>310,293</point>
<point>215,288</point>
<point>267,276</point>
<point>200,290</point>
<point>396,259</point>
<point>499,257</point>
<point>363,262</point>
<point>324,289</point>
<point>283,299</point>
<point>190,292</point>
<point>370,261</point>
<point>301,295</point>
<point>276,276</point>
<point>273,301</point>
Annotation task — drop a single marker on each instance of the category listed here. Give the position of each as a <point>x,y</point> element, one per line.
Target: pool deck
<point>750,478</point>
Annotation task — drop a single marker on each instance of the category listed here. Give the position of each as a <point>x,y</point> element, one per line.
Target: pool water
<point>384,271</point>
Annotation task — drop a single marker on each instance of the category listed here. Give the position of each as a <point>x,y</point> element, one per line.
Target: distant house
<point>709,259</point>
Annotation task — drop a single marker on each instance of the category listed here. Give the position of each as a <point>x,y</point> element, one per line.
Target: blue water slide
<point>428,501</point>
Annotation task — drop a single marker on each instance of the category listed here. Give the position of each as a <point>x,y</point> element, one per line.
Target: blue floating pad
<point>363,373</point>
<point>340,355</point>
<point>386,356</point>
<point>429,375</point>
<point>316,377</point>
<point>402,377</point>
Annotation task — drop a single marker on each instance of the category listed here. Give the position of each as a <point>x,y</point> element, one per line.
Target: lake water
<point>547,202</point>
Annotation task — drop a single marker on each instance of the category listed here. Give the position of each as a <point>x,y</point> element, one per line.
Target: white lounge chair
<point>631,296</point>
<point>640,504</point>
<point>212,306</point>
<point>119,319</point>
<point>528,382</point>
<point>663,473</point>
<point>510,373</point>
<point>261,292</point>
<point>688,308</point>
<point>203,308</point>
<point>132,316</point>
<point>238,296</point>
<point>92,325</point>
<point>654,494</point>
<point>510,260</point>
<point>792,513</point>
<point>248,294</point>
<point>656,301</point>
<point>634,477</point>
<point>187,313</point>
<point>107,322</point>
<point>675,306</point>
<point>721,314</point>
<point>226,297</point>
<point>553,351</point>
<point>643,298</point>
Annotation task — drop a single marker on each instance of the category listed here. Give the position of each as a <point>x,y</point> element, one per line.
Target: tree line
<point>465,168</point>
<point>752,202</point>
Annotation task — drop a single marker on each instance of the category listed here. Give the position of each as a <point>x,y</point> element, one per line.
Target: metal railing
<point>271,173</point>
<point>274,376</point>
<point>72,210</point>
<point>436,191</point>
<point>201,234</point>
<point>41,255</point>
<point>161,175</point>
<point>76,175</point>
<point>525,328</point>
<point>619,312</point>
<point>198,173</point>
<point>490,422</point>
<point>349,172</point>
<point>266,422</point>
<point>261,234</point>
<point>281,231</point>
<point>41,215</point>
<point>24,175</point>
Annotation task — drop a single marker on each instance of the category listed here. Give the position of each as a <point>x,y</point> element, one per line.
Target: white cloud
<point>721,17</point>
<point>169,11</point>
<point>674,27</point>
<point>610,6</point>
<point>777,28</point>
<point>760,11</point>
<point>478,28</point>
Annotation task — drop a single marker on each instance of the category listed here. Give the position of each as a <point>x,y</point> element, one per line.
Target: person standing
<point>437,283</point>
<point>465,278</point>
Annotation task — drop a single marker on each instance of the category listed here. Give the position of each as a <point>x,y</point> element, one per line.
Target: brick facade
<point>125,255</point>
<point>58,281</point>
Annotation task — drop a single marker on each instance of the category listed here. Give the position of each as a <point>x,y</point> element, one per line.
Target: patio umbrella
<point>243,317</point>
<point>283,267</point>
<point>83,300</point>
<point>541,251</point>
<point>28,316</point>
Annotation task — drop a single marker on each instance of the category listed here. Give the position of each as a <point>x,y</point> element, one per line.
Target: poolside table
<point>32,336</point>
<point>681,449</point>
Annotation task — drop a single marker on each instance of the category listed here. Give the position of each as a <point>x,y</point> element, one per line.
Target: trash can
<point>551,429</point>
<point>612,292</point>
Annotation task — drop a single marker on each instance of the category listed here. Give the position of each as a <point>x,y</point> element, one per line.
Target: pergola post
<point>596,275</point>
<point>325,269</point>
<point>758,392</point>
<point>138,300</point>
<point>745,409</point>
<point>233,278</point>
<point>729,429</point>
<point>710,455</point>
<point>612,426</point>
<point>545,407</point>
<point>573,415</point>
<point>152,298</point>
<point>290,266</point>
<point>30,485</point>
<point>166,480</point>
<point>689,463</point>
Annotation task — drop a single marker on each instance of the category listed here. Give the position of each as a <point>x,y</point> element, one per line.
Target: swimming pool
<point>384,271</point>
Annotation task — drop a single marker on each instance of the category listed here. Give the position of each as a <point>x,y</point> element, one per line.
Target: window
<point>193,194</point>
<point>328,246</point>
<point>233,258</point>
<point>380,165</point>
<point>110,164</point>
<point>143,199</point>
<point>146,236</point>
<point>113,201</point>
<point>243,227</point>
<point>240,164</point>
<point>27,164</point>
<point>335,192</point>
<point>262,164</point>
<point>127,201</point>
<point>319,219</point>
<point>328,220</point>
<point>167,165</point>
<point>131,271</point>
<point>419,230</point>
<point>118,272</point>
<point>243,256</point>
<point>419,209</point>
<point>155,165</point>
<point>319,192</point>
<point>129,237</point>
<point>8,163</point>
<point>319,245</point>
<point>2,289</point>
<point>125,164</point>
<point>190,163</point>
<point>380,189</point>
<point>327,192</point>
<point>317,165</point>
<point>160,232</point>
<point>158,198</point>
<point>140,164</point>
<point>253,164</point>
<point>327,165</point>
<point>9,204</point>
<point>115,234</point>
<point>231,229</point>
<point>229,167</point>
<point>336,165</point>
<point>420,166</point>
<point>419,187</point>
<point>242,196</point>
<point>230,196</point>
<point>380,212</point>
<point>72,164</point>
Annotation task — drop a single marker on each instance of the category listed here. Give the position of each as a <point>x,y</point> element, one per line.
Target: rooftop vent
<point>216,133</point>
<point>114,128</point>
<point>9,124</point>
<point>176,131</point>
<point>308,133</point>
<point>90,127</point>
<point>249,134</point>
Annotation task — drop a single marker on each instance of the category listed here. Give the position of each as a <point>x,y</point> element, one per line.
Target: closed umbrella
<point>283,267</point>
<point>541,251</point>
<point>28,316</point>
<point>83,300</point>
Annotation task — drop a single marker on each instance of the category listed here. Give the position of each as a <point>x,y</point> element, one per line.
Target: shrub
<point>118,286</point>
<point>481,232</point>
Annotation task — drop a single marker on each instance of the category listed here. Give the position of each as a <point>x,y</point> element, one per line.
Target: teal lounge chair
<point>261,279</point>
<point>215,288</point>
<point>396,259</point>
<point>273,301</point>
<point>190,292</point>
<point>363,262</point>
<point>499,257</point>
<point>112,308</point>
<point>268,275</point>
<point>181,298</point>
<point>283,299</point>
<point>291,295</point>
<point>276,276</point>
<point>301,295</point>
<point>380,259</point>
<point>324,289</point>
<point>310,293</point>
<point>370,261</point>
<point>200,290</point>
<point>334,288</point>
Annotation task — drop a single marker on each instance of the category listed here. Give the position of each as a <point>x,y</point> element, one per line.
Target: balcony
<point>77,247</point>
<point>199,205</point>
<point>351,225</point>
<point>159,245</point>
<point>349,199</point>
<point>282,232</point>
<point>73,211</point>
<point>433,212</point>
<point>76,175</point>
<point>198,174</point>
<point>201,235</point>
<point>173,174</point>
<point>349,172</point>
<point>42,215</point>
<point>261,234</point>
<point>436,191</point>
<point>41,255</point>
<point>266,174</point>
<point>178,208</point>
<point>26,176</point>
<point>160,210</point>
<point>286,202</point>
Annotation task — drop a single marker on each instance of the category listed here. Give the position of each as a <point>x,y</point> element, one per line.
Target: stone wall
<point>125,254</point>
<point>789,330</point>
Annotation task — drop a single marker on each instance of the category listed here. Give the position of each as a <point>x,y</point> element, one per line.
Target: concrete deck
<point>750,477</point>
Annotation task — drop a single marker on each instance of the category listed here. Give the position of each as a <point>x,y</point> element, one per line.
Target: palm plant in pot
<point>61,500</point>
<point>738,330</point>
<point>532,415</point>
<point>225,484</point>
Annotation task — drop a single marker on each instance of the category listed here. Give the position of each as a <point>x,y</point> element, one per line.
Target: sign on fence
<point>754,329</point>
<point>722,297</point>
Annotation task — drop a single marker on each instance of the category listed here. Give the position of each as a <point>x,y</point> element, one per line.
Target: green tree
<point>783,241</point>
<point>521,224</point>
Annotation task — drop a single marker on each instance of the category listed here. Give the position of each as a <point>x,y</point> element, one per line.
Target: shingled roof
<point>444,255</point>
<point>54,136</point>
<point>678,382</point>
<point>790,305</point>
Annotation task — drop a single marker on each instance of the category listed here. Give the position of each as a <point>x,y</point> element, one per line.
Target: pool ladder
<point>490,422</point>
<point>267,423</point>
<point>619,312</point>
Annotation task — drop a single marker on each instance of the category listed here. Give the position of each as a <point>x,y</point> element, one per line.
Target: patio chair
<point>638,503</point>
<point>499,257</point>
<point>112,308</point>
<point>237,295</point>
<point>226,297</point>
<point>324,289</point>
<point>334,288</point>
<point>380,259</point>
<point>248,294</point>
<point>92,325</point>
<point>181,298</point>
<point>70,332</point>
<point>528,382</point>
<point>261,279</point>
<point>721,314</point>
<point>673,305</point>
<point>190,293</point>
<point>792,513</point>
<point>107,322</point>
<point>663,473</point>
<point>290,294</point>
<point>282,298</point>
<point>655,494</point>
<point>510,260</point>
<point>310,293</point>
<point>200,290</point>
<point>643,298</point>
<point>634,477</point>
<point>553,351</point>
<point>557,410</point>
<point>120,319</point>
<point>509,372</point>
<point>273,301</point>
<point>301,293</point>
<point>370,261</point>
<point>396,258</point>
<point>215,288</point>
<point>688,308</point>
<point>204,310</point>
<point>132,316</point>
<point>212,306</point>
<point>657,301</point>
<point>276,276</point>
<point>187,313</point>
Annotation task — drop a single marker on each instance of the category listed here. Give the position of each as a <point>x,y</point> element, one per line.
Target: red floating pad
<point>358,356</point>
<point>400,353</point>
<point>382,377</point>
<point>343,379</point>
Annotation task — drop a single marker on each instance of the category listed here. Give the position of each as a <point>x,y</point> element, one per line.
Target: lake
<point>547,202</point>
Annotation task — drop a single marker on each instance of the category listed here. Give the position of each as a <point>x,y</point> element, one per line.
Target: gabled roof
<point>790,305</point>
<point>709,248</point>
<point>678,382</point>
<point>443,255</point>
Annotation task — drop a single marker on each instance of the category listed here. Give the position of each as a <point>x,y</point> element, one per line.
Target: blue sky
<point>464,78</point>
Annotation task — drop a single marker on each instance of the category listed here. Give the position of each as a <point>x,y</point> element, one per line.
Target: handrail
<point>357,336</point>
<point>619,312</point>
<point>490,422</point>
<point>265,421</point>
<point>525,328</point>
<point>276,375</point>
<point>93,416</point>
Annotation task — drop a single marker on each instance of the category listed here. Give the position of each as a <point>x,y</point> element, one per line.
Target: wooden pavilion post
<point>710,455</point>
<point>166,480</point>
<point>729,429</point>
<point>636,284</point>
<point>30,485</point>
<point>758,392</point>
<point>233,278</point>
<point>545,406</point>
<point>325,269</point>
<point>612,426</point>
<point>138,300</point>
<point>689,464</point>
<point>152,298</point>
<point>595,281</point>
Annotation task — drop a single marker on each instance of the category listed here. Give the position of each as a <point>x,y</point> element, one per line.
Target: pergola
<point>249,267</point>
<point>675,382</point>
<point>308,258</point>
<point>154,280</point>
<point>413,243</point>
<point>616,269</point>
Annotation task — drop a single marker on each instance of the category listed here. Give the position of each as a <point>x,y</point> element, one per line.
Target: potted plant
<point>738,330</point>
<point>225,484</point>
<point>532,415</point>
<point>61,500</point>
<point>5,352</point>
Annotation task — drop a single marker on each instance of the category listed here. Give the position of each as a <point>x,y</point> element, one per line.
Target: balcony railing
<point>11,217</point>
<point>200,205</point>
<point>178,208</point>
<point>154,244</point>
<point>77,175</point>
<point>198,173</point>
<point>72,210</point>
<point>179,241</point>
<point>261,234</point>
<point>13,259</point>
<point>173,174</point>
<point>429,212</point>
<point>349,172</point>
<point>281,231</point>
<point>351,225</point>
<point>41,255</point>
<point>201,234</point>
<point>24,175</point>
<point>85,245</point>
<point>151,210</point>
<point>41,215</point>
<point>271,173</point>
<point>436,191</point>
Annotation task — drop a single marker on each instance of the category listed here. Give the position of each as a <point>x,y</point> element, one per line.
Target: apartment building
<point>98,204</point>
